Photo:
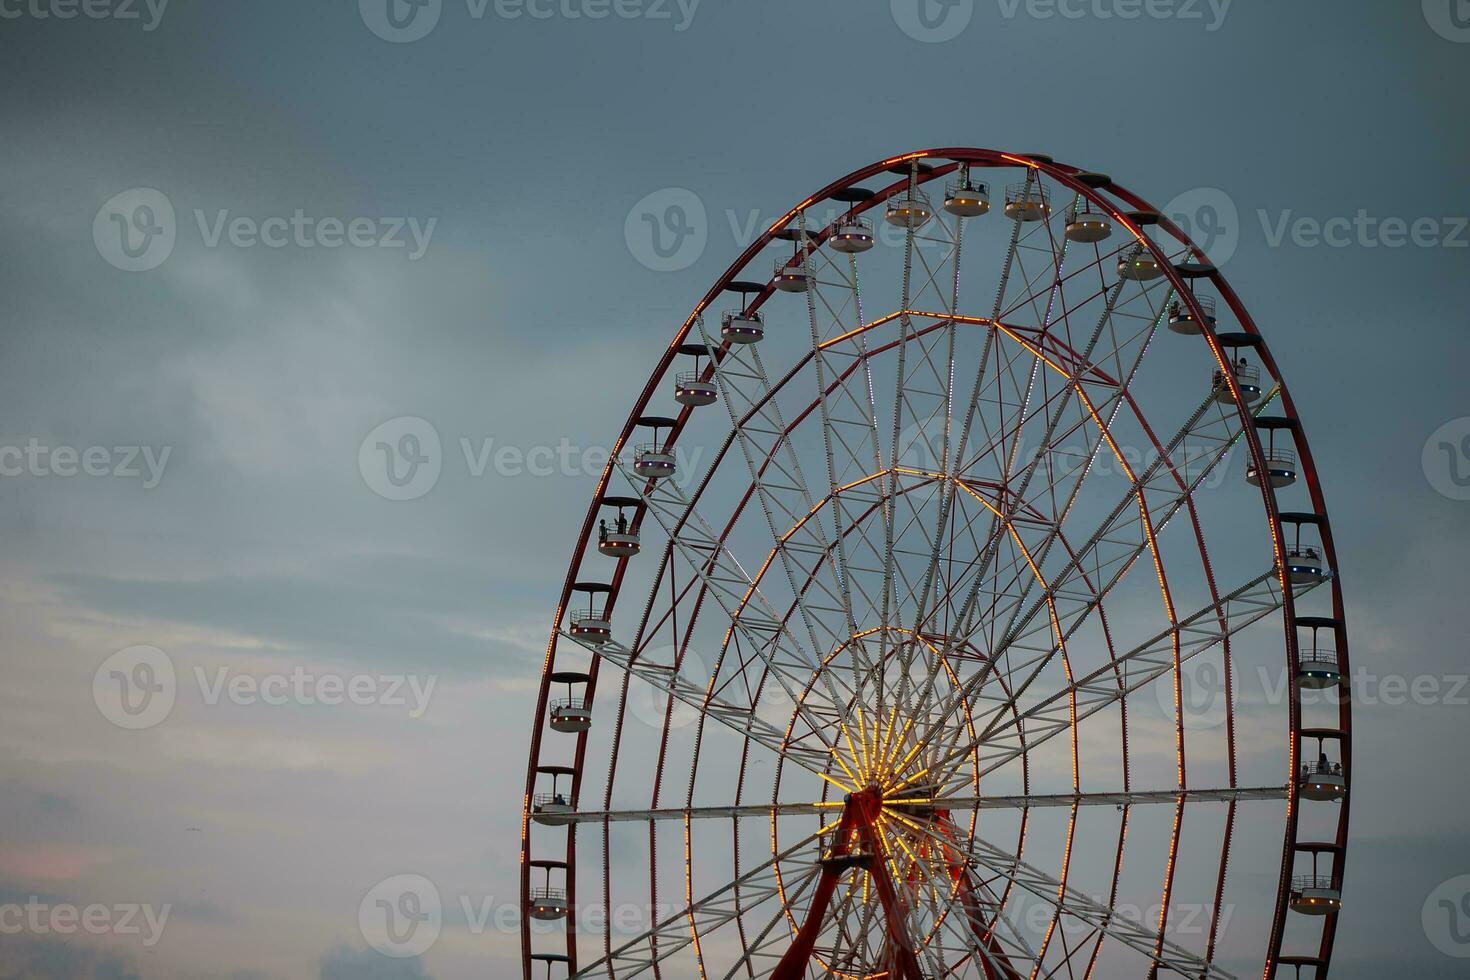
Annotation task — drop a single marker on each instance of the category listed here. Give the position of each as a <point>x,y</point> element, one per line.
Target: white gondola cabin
<point>1087,226</point>
<point>1027,201</point>
<point>966,199</point>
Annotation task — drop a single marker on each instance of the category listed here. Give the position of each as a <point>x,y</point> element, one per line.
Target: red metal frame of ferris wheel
<point>1067,177</point>
<point>858,825</point>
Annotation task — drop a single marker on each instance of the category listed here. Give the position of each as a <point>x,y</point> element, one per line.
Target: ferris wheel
<point>960,601</point>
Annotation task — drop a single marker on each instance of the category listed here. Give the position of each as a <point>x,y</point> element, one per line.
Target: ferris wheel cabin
<point>1247,376</point>
<point>852,236</point>
<point>655,460</point>
<point>592,623</point>
<point>618,539</point>
<point>853,233</point>
<point>1280,464</point>
<point>1321,777</point>
<point>792,274</point>
<point>742,325</point>
<point>1315,895</point>
<point>573,713</point>
<point>547,903</point>
<point>692,388</point>
<point>909,210</point>
<point>1027,201</point>
<point>1317,892</point>
<point>552,808</point>
<point>965,198</point>
<point>1139,265</point>
<point>1184,320</point>
<point>1305,564</point>
<point>1317,664</point>
<point>1087,226</point>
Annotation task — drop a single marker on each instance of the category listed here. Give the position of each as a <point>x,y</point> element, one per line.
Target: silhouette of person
<point>602,529</point>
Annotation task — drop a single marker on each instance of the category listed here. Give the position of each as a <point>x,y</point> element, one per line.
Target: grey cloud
<point>36,958</point>
<point>347,963</point>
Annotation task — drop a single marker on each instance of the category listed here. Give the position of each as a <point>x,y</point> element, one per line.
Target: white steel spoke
<point>766,811</point>
<point>1000,741</point>
<point>1072,903</point>
<point>719,908</point>
<point>1214,435</point>
<point>731,586</point>
<point>740,719</point>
